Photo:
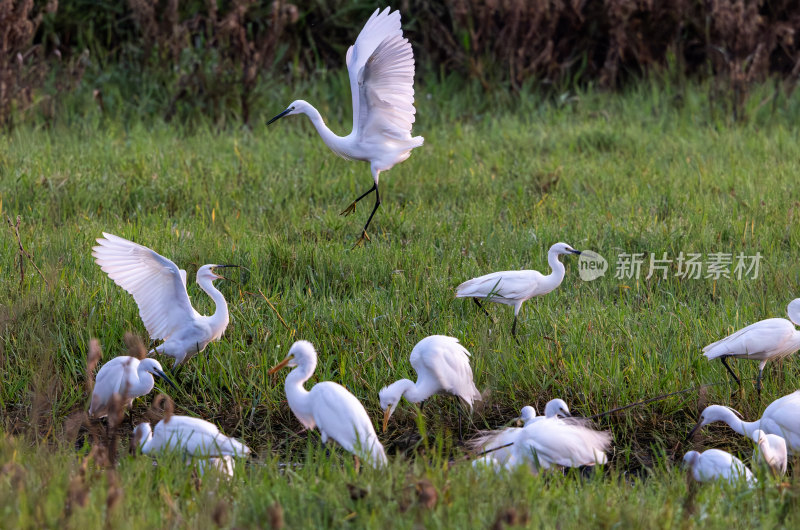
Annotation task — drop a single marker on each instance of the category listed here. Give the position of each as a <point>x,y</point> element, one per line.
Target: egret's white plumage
<point>329,406</point>
<point>781,417</point>
<point>515,287</point>
<point>381,69</point>
<point>189,436</point>
<point>224,465</point>
<point>768,339</point>
<point>771,451</point>
<point>714,464</point>
<point>442,365</point>
<point>128,377</point>
<point>159,288</point>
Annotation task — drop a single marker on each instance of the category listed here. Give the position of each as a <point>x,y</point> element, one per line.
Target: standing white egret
<point>515,287</point>
<point>442,365</point>
<point>768,339</point>
<point>714,464</point>
<point>127,377</point>
<point>381,69</point>
<point>189,436</point>
<point>159,288</point>
<point>329,406</point>
<point>781,417</point>
<point>770,450</point>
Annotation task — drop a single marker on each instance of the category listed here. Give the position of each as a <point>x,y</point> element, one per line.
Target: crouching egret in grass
<point>781,417</point>
<point>768,339</point>
<point>329,406</point>
<point>191,437</point>
<point>771,451</point>
<point>381,69</point>
<point>127,377</point>
<point>159,288</point>
<point>714,464</point>
<point>442,365</point>
<point>515,287</point>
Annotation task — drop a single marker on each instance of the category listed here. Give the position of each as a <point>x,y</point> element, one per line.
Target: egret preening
<point>191,437</point>
<point>771,451</point>
<point>127,377</point>
<point>515,287</point>
<point>442,365</point>
<point>159,288</point>
<point>714,464</point>
<point>329,406</point>
<point>781,417</point>
<point>772,338</point>
<point>381,69</point>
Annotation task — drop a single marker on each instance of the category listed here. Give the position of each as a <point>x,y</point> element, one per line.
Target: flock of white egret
<point>381,69</point>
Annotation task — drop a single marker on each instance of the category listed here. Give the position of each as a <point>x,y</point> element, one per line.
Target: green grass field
<point>651,171</point>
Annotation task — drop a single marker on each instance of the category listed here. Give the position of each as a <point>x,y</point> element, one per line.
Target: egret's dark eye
<point>291,108</point>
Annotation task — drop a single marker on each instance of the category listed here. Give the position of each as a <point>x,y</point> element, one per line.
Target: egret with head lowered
<point>159,288</point>
<point>713,464</point>
<point>126,377</point>
<point>329,406</point>
<point>765,340</point>
<point>442,365</point>
<point>381,69</point>
<point>515,287</point>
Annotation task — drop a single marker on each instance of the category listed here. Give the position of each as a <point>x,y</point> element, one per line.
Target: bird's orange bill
<point>280,365</point>
<point>386,414</point>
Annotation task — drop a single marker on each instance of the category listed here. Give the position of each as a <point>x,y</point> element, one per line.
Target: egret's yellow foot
<point>350,209</point>
<point>361,239</point>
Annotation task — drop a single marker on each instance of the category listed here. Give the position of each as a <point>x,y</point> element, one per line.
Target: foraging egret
<point>329,406</point>
<point>515,287</point>
<point>768,339</point>
<point>127,377</point>
<point>781,417</point>
<point>714,464</point>
<point>190,436</point>
<point>381,69</point>
<point>159,288</point>
<point>442,365</point>
<point>770,450</point>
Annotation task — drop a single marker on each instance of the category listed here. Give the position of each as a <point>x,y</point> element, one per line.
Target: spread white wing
<point>155,282</point>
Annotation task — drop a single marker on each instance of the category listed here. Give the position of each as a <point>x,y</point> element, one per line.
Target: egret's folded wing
<point>506,284</point>
<point>763,336</point>
<point>448,361</point>
<point>155,282</point>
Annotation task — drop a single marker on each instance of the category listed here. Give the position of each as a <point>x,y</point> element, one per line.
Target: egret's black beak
<point>279,116</point>
<point>691,433</point>
<point>575,251</point>
<point>163,376</point>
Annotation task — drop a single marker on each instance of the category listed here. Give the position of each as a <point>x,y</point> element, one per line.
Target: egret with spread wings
<point>159,288</point>
<point>381,69</point>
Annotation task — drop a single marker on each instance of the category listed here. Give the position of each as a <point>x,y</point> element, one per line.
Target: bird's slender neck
<point>148,441</point>
<point>296,394</point>
<point>144,384</point>
<point>557,271</point>
<point>412,391</point>
<point>219,320</point>
<point>331,139</point>
<point>745,428</point>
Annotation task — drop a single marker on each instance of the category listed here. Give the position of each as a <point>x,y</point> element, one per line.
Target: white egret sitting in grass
<point>198,440</point>
<point>442,365</point>
<point>714,464</point>
<point>781,417</point>
<point>381,69</point>
<point>515,287</point>
<point>771,451</point>
<point>159,288</point>
<point>329,406</point>
<point>127,377</point>
<point>768,339</point>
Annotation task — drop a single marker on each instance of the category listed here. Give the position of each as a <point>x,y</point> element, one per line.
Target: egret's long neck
<point>331,139</point>
<point>143,386</point>
<point>219,320</point>
<point>745,428</point>
<point>145,445</point>
<point>557,270</point>
<point>412,391</point>
<point>296,394</point>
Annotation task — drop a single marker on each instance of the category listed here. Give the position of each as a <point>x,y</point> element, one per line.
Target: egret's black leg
<point>352,208</point>
<point>479,304</point>
<point>375,209</point>
<point>724,360</point>
<point>758,381</point>
<point>514,327</point>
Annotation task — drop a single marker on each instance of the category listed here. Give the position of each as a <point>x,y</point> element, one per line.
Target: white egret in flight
<point>381,69</point>
<point>127,377</point>
<point>442,365</point>
<point>329,406</point>
<point>159,288</point>
<point>772,338</point>
<point>771,451</point>
<point>515,287</point>
<point>714,464</point>
<point>188,436</point>
<point>781,417</point>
